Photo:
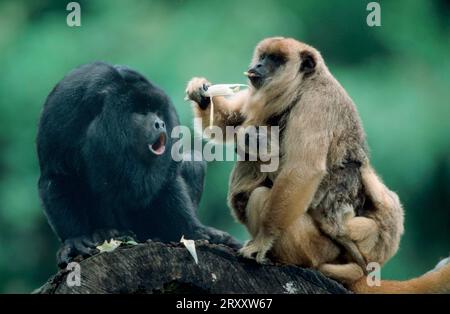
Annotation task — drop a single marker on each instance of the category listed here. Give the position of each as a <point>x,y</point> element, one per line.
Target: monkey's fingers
<point>64,256</point>
<point>257,249</point>
<point>248,251</point>
<point>219,237</point>
<point>81,246</point>
<point>261,257</point>
<point>196,89</point>
<point>354,252</point>
<point>253,252</point>
<point>84,248</point>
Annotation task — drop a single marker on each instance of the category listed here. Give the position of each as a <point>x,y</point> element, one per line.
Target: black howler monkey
<point>106,169</point>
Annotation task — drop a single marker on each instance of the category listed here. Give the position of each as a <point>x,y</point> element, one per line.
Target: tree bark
<point>154,267</point>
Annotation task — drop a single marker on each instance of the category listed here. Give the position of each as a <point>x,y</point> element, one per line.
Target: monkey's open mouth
<point>158,147</point>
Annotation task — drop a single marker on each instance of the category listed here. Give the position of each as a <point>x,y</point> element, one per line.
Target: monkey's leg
<point>375,238</point>
<point>255,212</point>
<point>333,224</point>
<point>350,247</point>
<point>255,209</point>
<point>365,232</point>
<point>244,179</point>
<point>346,273</point>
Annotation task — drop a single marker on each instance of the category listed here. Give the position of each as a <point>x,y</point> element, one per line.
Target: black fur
<point>99,178</point>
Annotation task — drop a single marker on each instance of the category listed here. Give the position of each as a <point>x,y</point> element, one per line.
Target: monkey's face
<point>149,133</point>
<point>281,61</point>
<point>148,123</point>
<point>265,68</point>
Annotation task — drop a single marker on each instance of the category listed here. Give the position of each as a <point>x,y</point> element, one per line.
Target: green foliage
<point>398,75</point>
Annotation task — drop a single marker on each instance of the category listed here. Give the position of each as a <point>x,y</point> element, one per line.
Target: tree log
<point>154,267</point>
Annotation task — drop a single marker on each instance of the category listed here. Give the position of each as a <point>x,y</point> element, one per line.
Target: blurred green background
<point>398,74</point>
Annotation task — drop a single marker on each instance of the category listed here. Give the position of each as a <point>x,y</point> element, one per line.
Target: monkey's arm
<point>305,149</point>
<point>62,207</point>
<point>227,111</point>
<point>294,187</point>
<point>67,217</point>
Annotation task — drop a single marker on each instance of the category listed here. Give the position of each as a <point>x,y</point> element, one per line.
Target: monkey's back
<point>340,196</point>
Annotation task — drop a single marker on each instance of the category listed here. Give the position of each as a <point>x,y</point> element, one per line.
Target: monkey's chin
<point>158,147</point>
<point>256,81</point>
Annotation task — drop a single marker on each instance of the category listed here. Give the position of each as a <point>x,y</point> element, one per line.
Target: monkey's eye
<point>276,59</point>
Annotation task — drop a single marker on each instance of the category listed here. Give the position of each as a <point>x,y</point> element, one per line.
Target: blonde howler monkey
<point>324,207</point>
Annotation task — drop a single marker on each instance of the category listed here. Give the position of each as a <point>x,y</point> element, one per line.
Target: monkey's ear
<point>308,62</point>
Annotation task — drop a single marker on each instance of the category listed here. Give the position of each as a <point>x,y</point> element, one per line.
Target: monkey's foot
<point>85,246</point>
<point>196,89</point>
<point>258,248</point>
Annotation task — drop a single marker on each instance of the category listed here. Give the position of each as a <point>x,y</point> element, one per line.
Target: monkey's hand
<point>258,247</point>
<point>195,91</point>
<point>216,236</point>
<point>85,246</point>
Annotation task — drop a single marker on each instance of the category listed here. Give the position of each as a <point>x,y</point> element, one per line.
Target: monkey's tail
<point>435,281</point>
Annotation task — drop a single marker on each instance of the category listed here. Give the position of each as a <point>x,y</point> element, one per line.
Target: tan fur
<point>436,281</point>
<point>304,219</point>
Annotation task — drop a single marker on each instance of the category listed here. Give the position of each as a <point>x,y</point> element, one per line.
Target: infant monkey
<point>324,207</point>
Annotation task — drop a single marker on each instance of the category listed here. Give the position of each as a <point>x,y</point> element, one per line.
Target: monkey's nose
<point>159,125</point>
<point>255,71</point>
